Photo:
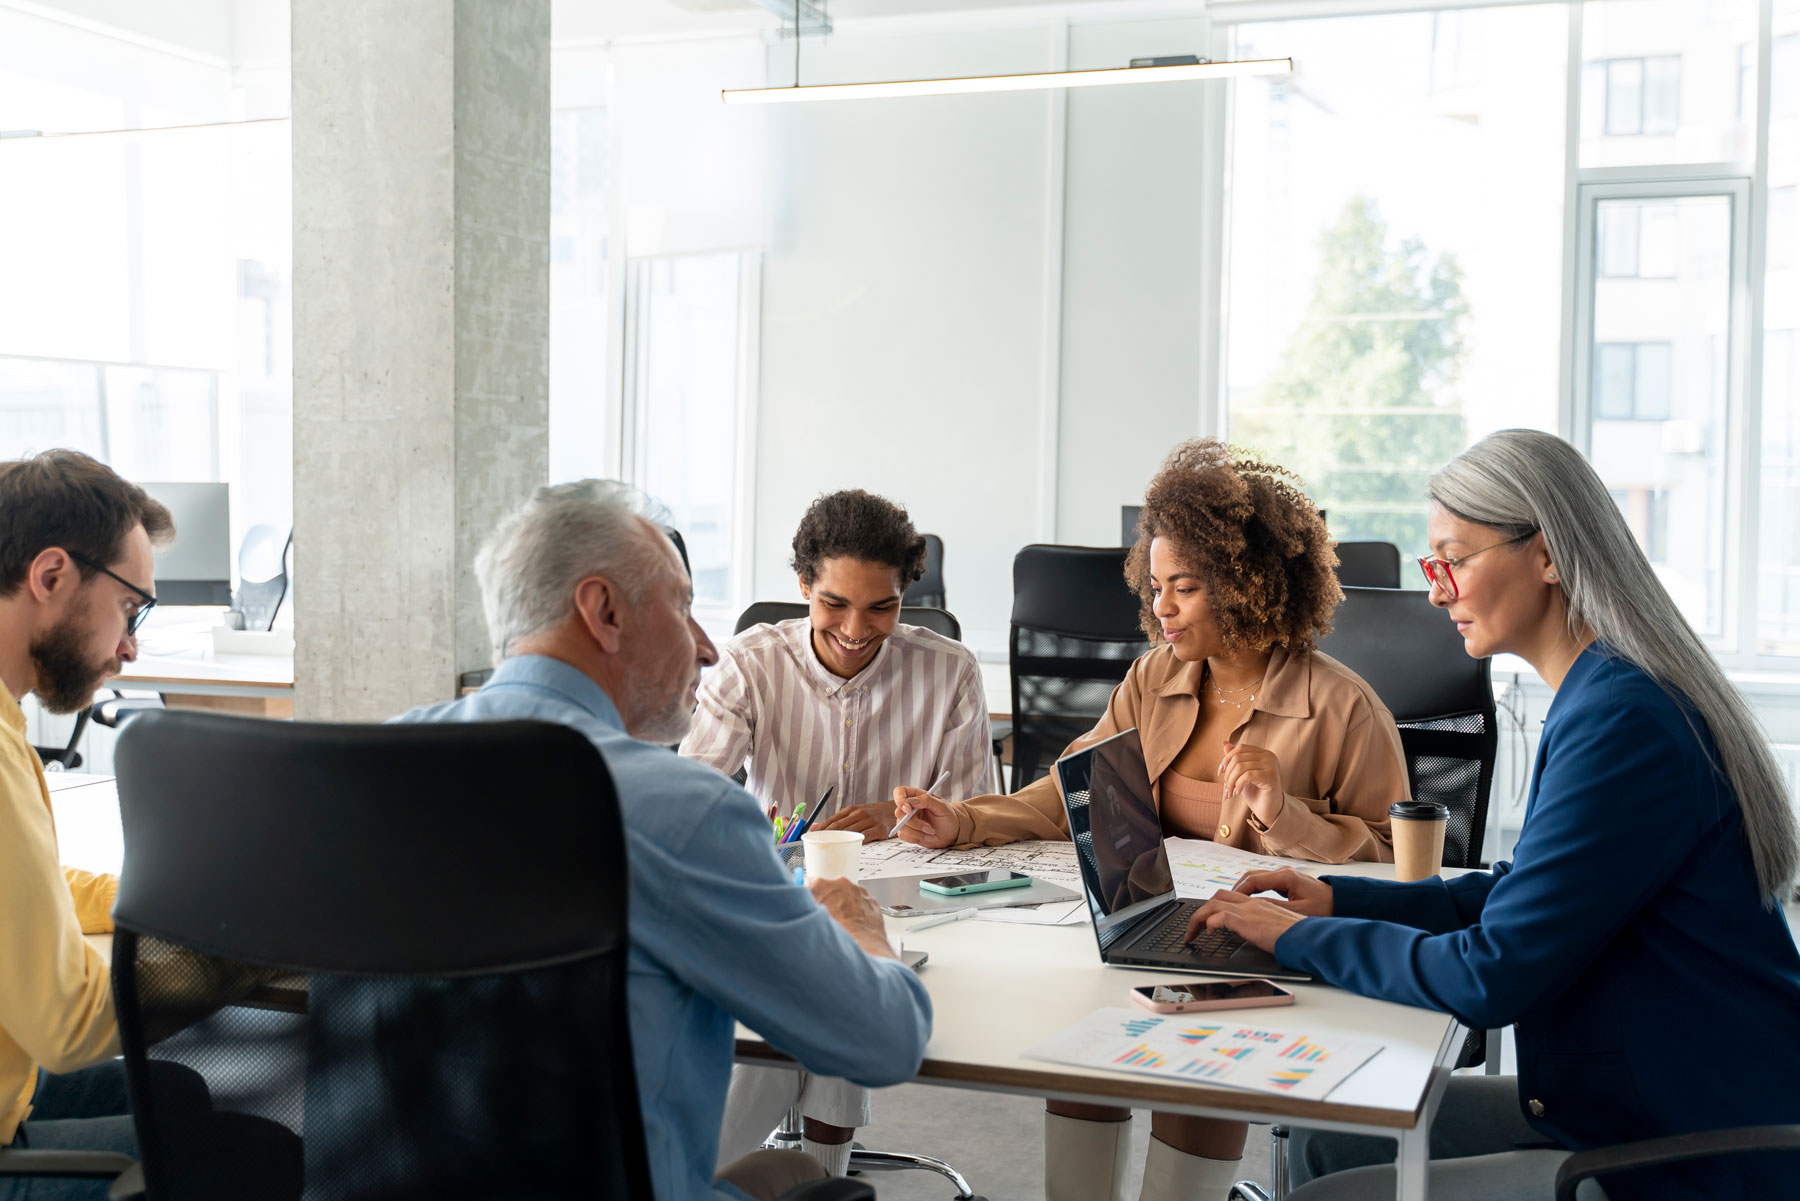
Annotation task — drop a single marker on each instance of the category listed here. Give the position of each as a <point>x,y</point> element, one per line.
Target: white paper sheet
<point>1202,868</point>
<point>1231,1048</point>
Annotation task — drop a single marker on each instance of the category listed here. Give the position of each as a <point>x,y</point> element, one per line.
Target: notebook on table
<point>1138,920</point>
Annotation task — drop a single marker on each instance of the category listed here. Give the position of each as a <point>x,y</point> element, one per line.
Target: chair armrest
<point>1655,1152</point>
<point>116,711</point>
<point>76,1165</point>
<point>129,1186</point>
<point>838,1188</point>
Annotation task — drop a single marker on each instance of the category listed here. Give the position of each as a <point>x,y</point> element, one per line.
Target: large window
<point>692,330</point>
<point>1378,319</point>
<point>580,213</point>
<point>145,306</point>
<point>1666,81</point>
<point>1412,262</point>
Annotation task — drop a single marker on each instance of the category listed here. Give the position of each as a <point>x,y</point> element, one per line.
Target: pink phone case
<point>1283,998</point>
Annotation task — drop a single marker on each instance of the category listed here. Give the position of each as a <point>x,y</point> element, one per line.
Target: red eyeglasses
<point>1437,571</point>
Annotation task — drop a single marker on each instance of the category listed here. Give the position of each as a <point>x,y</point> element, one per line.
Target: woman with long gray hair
<point>1636,942</point>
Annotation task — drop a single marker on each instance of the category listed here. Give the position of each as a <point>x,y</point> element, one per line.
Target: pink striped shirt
<point>916,712</point>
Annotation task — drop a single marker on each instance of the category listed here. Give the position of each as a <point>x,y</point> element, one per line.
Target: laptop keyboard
<point>1171,937</point>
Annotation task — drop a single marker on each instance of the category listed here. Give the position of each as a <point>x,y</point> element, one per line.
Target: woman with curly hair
<point>1251,736</point>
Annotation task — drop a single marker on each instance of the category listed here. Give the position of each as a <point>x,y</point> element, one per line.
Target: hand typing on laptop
<point>1259,920</point>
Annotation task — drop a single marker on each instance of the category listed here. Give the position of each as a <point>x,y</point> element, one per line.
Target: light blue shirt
<point>719,934</point>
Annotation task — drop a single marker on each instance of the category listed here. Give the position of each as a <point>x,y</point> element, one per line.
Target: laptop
<point>1138,920</point>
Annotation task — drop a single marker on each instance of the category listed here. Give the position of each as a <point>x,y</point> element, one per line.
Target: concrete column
<point>421,151</point>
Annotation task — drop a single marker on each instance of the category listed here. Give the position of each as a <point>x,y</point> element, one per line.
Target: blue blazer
<point>1652,988</point>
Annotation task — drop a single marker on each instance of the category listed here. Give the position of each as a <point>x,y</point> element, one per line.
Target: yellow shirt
<point>56,1005</point>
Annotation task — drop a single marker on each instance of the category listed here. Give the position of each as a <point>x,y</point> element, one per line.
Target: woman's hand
<point>871,821</point>
<point>1306,895</point>
<point>1256,920</point>
<point>935,825</point>
<point>1255,774</point>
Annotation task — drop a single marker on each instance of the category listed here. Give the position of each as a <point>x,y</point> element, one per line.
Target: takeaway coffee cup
<point>832,854</point>
<point>1418,838</point>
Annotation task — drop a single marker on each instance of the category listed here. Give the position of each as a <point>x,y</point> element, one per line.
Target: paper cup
<point>832,854</point>
<point>1418,838</point>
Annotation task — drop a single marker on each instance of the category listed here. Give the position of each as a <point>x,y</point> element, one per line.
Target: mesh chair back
<point>680,546</point>
<point>1442,700</point>
<point>1368,564</point>
<point>769,612</point>
<point>1075,634</point>
<point>927,592</point>
<point>397,977</point>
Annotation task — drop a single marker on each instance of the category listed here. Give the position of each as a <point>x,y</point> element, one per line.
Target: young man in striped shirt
<point>851,699</point>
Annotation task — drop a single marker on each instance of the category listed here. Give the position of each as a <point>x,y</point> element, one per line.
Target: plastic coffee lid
<point>1419,811</point>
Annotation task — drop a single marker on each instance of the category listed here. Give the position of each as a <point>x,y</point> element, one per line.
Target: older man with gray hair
<point>588,607</point>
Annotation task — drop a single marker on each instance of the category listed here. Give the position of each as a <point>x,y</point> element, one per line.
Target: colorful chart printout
<point>1248,1057</point>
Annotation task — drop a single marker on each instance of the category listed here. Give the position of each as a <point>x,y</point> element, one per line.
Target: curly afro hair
<point>1256,540</point>
<point>854,524</point>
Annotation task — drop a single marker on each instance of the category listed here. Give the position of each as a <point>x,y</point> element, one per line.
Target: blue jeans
<point>89,1110</point>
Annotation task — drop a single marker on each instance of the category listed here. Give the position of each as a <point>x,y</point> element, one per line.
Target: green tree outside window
<point>1363,405</point>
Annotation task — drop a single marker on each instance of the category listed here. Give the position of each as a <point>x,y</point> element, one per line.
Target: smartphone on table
<point>1210,994</point>
<point>967,882</point>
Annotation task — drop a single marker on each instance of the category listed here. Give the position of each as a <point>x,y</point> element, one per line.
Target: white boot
<point>1171,1175</point>
<point>1083,1160</point>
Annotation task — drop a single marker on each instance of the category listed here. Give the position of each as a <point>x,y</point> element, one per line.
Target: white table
<point>999,989</point>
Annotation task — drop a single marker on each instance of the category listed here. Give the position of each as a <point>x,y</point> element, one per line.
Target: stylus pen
<point>927,924</point>
<point>942,780</point>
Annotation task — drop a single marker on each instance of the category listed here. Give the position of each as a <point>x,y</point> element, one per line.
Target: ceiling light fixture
<point>1185,68</point>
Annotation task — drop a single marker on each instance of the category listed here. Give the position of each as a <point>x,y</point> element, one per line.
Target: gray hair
<point>565,533</point>
<point>1522,481</point>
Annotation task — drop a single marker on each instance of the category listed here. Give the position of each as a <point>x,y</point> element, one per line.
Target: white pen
<point>942,780</point>
<point>958,916</point>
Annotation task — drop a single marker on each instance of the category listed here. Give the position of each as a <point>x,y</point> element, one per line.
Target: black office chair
<point>1368,564</point>
<point>927,592</point>
<point>1075,634</point>
<point>680,545</point>
<point>1442,700</point>
<point>68,757</point>
<point>938,621</point>
<point>392,986</point>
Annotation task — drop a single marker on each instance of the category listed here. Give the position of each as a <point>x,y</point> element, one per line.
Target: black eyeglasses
<point>145,604</point>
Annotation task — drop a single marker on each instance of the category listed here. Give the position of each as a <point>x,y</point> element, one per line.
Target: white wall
<point>1132,275</point>
<point>903,326</point>
<point>946,275</point>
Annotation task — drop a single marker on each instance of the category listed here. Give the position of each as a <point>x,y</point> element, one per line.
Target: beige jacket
<point>1341,762</point>
<point>56,1005</point>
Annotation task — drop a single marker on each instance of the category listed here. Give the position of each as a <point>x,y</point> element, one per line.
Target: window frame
<point>1736,567</point>
<point>715,617</point>
<point>1736,648</point>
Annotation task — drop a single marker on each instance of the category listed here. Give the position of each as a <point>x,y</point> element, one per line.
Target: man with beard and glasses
<point>75,582</point>
<point>588,609</point>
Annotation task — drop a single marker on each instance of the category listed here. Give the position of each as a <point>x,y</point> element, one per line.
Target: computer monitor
<point>1128,519</point>
<point>195,569</point>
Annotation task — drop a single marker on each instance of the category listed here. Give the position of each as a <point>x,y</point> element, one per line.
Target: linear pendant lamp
<point>1008,83</point>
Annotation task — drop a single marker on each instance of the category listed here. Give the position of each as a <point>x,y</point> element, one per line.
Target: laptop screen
<point>1117,833</point>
